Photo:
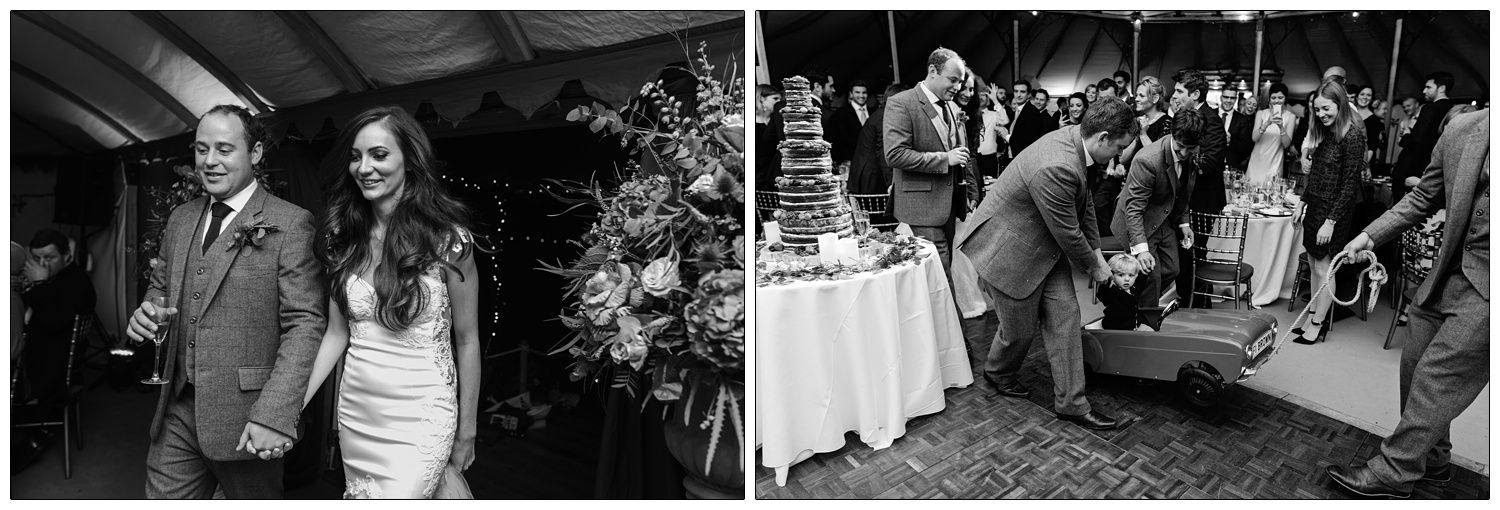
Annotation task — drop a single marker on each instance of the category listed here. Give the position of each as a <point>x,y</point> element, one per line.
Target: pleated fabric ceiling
<point>88,81</point>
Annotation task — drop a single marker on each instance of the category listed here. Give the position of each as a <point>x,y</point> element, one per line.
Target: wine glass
<point>163,321</point>
<point>861,223</point>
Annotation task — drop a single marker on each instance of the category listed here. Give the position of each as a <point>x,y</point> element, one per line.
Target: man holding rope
<point>1446,361</point>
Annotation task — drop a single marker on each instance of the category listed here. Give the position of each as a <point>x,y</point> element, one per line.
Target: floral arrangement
<point>165,200</point>
<point>891,250</point>
<point>660,288</point>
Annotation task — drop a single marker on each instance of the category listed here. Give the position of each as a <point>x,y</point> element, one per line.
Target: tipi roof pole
<point>1015,61</point>
<point>762,71</point>
<point>1390,91</point>
<point>890,19</point>
<point>1135,54</point>
<point>1260,40</point>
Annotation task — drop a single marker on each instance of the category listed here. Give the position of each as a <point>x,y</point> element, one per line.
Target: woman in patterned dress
<point>1327,214</point>
<point>402,276</point>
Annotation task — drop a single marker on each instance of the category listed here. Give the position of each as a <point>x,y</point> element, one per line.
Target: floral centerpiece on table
<point>658,297</point>
<point>164,201</point>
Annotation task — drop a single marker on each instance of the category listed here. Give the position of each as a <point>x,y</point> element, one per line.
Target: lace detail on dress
<point>362,489</point>
<point>438,446</point>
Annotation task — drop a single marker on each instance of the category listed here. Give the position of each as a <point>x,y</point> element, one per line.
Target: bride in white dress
<point>402,277</point>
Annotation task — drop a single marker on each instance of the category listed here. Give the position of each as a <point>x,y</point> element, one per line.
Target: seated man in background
<point>58,290</point>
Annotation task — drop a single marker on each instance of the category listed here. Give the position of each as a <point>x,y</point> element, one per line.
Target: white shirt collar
<point>930,96</point>
<point>1087,158</point>
<point>238,200</point>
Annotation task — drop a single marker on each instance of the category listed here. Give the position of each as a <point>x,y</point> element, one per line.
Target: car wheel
<point>1199,386</point>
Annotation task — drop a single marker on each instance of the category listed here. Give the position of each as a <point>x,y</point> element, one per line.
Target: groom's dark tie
<point>220,210</point>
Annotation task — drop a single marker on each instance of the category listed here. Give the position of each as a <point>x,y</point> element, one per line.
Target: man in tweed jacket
<point>250,314</point>
<point>1445,363</point>
<point>1036,224</point>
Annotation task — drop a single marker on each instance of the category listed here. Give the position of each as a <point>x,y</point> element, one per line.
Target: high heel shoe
<point>1297,336</point>
<point>1302,335</point>
<point>1322,335</point>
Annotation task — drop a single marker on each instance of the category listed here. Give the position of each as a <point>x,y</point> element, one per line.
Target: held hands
<point>273,444</point>
<point>142,328</point>
<point>958,156</point>
<point>1116,171</point>
<point>1325,233</point>
<point>1354,250</point>
<point>463,452</point>
<point>1148,262</point>
<point>1187,238</point>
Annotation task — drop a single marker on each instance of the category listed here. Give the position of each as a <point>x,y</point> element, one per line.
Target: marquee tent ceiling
<point>86,81</point>
<point>1064,51</point>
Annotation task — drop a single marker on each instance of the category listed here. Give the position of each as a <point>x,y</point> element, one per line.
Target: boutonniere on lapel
<point>251,232</point>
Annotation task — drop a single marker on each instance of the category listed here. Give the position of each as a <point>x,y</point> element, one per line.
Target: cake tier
<point>795,83</point>
<point>809,206</point>
<point>801,181</point>
<point>798,148</point>
<point>788,197</point>
<point>804,130</point>
<point>816,161</point>
<point>807,172</point>
<point>814,187</point>
<point>801,114</point>
<point>817,225</point>
<point>799,240</point>
<point>841,209</point>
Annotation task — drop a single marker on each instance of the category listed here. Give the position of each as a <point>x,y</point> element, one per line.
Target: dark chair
<point>67,404</point>
<point>875,205</point>
<point>766,204</point>
<point>1418,251</point>
<point>1220,266</point>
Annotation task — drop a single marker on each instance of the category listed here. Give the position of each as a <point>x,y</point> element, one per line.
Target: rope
<point>1375,273</point>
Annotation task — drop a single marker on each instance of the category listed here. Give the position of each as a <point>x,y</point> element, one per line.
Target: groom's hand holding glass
<point>143,321</point>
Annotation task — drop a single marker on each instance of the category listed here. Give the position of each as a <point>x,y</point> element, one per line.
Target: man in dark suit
<point>1424,134</point>
<point>1446,361</point>
<point>1190,92</point>
<point>929,162</point>
<point>251,317</point>
<point>1030,123</point>
<point>869,172</point>
<point>59,290</point>
<point>1237,126</point>
<point>847,121</point>
<point>1035,226</point>
<point>1152,210</point>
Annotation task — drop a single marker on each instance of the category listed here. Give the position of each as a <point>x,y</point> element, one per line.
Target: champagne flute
<point>163,321</point>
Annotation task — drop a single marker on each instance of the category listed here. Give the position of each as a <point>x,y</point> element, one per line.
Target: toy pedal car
<point>1204,351</point>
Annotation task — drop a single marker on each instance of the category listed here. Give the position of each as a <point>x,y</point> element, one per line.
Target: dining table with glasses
<point>851,349</point>
<point>1272,240</point>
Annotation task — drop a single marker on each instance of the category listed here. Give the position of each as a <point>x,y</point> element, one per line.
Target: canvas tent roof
<point>1064,51</point>
<point>86,81</point>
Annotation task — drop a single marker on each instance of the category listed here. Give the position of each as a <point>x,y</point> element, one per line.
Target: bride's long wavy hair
<point>420,231</point>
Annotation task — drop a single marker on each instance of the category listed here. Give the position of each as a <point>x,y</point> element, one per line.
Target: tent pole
<point>762,71</point>
<point>1390,92</point>
<point>890,20</point>
<point>1260,40</point>
<point>1135,54</point>
<point>1015,61</point>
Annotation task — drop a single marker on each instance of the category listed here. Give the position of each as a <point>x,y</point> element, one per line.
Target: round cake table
<point>862,355</point>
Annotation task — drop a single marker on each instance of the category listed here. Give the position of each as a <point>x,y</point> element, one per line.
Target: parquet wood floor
<point>987,446</point>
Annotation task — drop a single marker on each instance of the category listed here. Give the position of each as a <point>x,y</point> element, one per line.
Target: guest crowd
<point>1045,188</point>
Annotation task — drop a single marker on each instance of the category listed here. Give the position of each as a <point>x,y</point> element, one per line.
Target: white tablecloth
<point>860,355</point>
<point>966,290</point>
<point>1271,246</point>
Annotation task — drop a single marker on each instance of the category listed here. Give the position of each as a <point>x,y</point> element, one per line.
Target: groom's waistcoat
<point>193,300</point>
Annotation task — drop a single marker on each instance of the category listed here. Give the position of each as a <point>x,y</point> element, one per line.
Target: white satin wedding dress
<point>398,403</point>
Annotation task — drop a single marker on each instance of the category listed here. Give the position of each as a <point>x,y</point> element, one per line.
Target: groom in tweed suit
<point>1446,361</point>
<point>251,313</point>
<point>1035,226</point>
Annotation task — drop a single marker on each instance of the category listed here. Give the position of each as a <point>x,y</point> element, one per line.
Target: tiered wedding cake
<point>810,200</point>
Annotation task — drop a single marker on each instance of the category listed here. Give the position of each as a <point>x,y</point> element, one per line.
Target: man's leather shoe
<point>1092,420</point>
<point>1012,390</point>
<point>1361,480</point>
<point>1438,476</point>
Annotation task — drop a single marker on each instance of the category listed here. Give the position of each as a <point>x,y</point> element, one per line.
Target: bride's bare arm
<point>464,293</point>
<point>335,340</point>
